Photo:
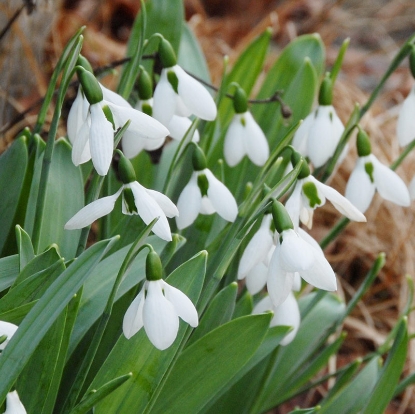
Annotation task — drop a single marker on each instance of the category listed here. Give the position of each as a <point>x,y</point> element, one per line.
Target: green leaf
<point>64,198</point>
<point>214,363</point>
<point>24,247</point>
<point>190,55</point>
<point>97,395</point>
<point>147,363</point>
<point>17,314</point>
<point>9,270</point>
<point>351,399</point>
<point>13,164</point>
<point>390,373</point>
<point>44,313</point>
<point>244,305</point>
<point>220,311</point>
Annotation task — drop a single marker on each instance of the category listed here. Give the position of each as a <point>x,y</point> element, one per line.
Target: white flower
<point>191,97</point>
<point>370,175</point>
<point>295,253</point>
<point>92,135</point>
<point>317,137</point>
<point>148,204</point>
<point>8,329</point>
<point>405,127</point>
<point>218,199</point>
<point>158,307</point>
<point>411,188</point>
<point>286,314</point>
<point>245,137</point>
<point>13,404</point>
<point>309,193</point>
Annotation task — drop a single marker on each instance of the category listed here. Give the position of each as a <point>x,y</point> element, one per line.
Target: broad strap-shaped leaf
<point>9,270</point>
<point>36,324</point>
<point>24,247</point>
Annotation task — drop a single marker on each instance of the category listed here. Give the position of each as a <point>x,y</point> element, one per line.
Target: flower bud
<point>240,101</point>
<point>90,86</point>
<point>125,169</point>
<point>363,144</point>
<point>166,53</point>
<point>282,220</point>
<point>199,159</point>
<point>145,85</point>
<point>325,96</point>
<point>84,62</point>
<point>154,269</point>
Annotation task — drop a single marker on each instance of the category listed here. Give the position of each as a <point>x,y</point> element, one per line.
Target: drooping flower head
<point>204,194</point>
<point>158,307</point>
<point>244,136</point>
<point>370,175</point>
<point>309,193</point>
<point>293,254</point>
<point>13,404</point>
<point>94,115</point>
<point>318,136</point>
<point>177,93</point>
<point>136,199</point>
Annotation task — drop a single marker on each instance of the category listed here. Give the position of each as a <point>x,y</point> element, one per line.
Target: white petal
<point>234,149</point>
<point>257,249</point>
<point>287,314</point>
<point>390,186</point>
<point>77,116</point>
<point>8,329</point>
<point>342,204</point>
<point>131,144</point>
<point>189,203</point>
<point>411,188</point>
<point>206,206</point>
<point>294,204</point>
<point>80,150</point>
<point>148,209</point>
<point>279,282</point>
<point>164,100</point>
<point>168,207</point>
<point>310,240</point>
<point>320,274</point>
<point>405,127</point>
<point>13,404</point>
<point>101,140</point>
<point>160,319</point>
<point>143,125</point>
<point>133,318</point>
<point>113,97</point>
<point>195,96</point>
<point>297,281</point>
<point>264,305</point>
<point>256,143</point>
<point>323,136</point>
<point>359,189</point>
<point>92,212</point>
<point>182,304</point>
<point>301,135</point>
<point>222,199</point>
<point>256,278</point>
<point>178,127</point>
<point>295,253</point>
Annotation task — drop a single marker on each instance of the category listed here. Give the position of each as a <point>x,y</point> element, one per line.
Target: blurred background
<point>32,35</point>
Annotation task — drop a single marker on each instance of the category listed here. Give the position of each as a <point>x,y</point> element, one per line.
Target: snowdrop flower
<point>89,130</point>
<point>286,314</point>
<point>204,194</point>
<point>295,254</point>
<point>13,404</point>
<point>405,127</point>
<point>244,136</point>
<point>136,199</point>
<point>6,329</point>
<point>158,307</point>
<point>411,188</point>
<point>309,193</point>
<point>318,136</point>
<point>370,175</point>
<point>177,93</point>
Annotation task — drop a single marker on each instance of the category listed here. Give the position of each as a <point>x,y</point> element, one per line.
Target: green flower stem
<point>88,359</point>
<point>52,83</point>
<point>339,60</point>
<point>402,156</point>
<point>47,156</point>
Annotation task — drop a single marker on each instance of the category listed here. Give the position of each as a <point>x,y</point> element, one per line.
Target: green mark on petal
<point>203,184</point>
<point>310,191</point>
<point>369,171</point>
<point>243,122</point>
<point>128,199</point>
<point>173,80</point>
<point>147,109</point>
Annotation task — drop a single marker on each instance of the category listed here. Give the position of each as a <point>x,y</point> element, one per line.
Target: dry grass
<point>377,29</point>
